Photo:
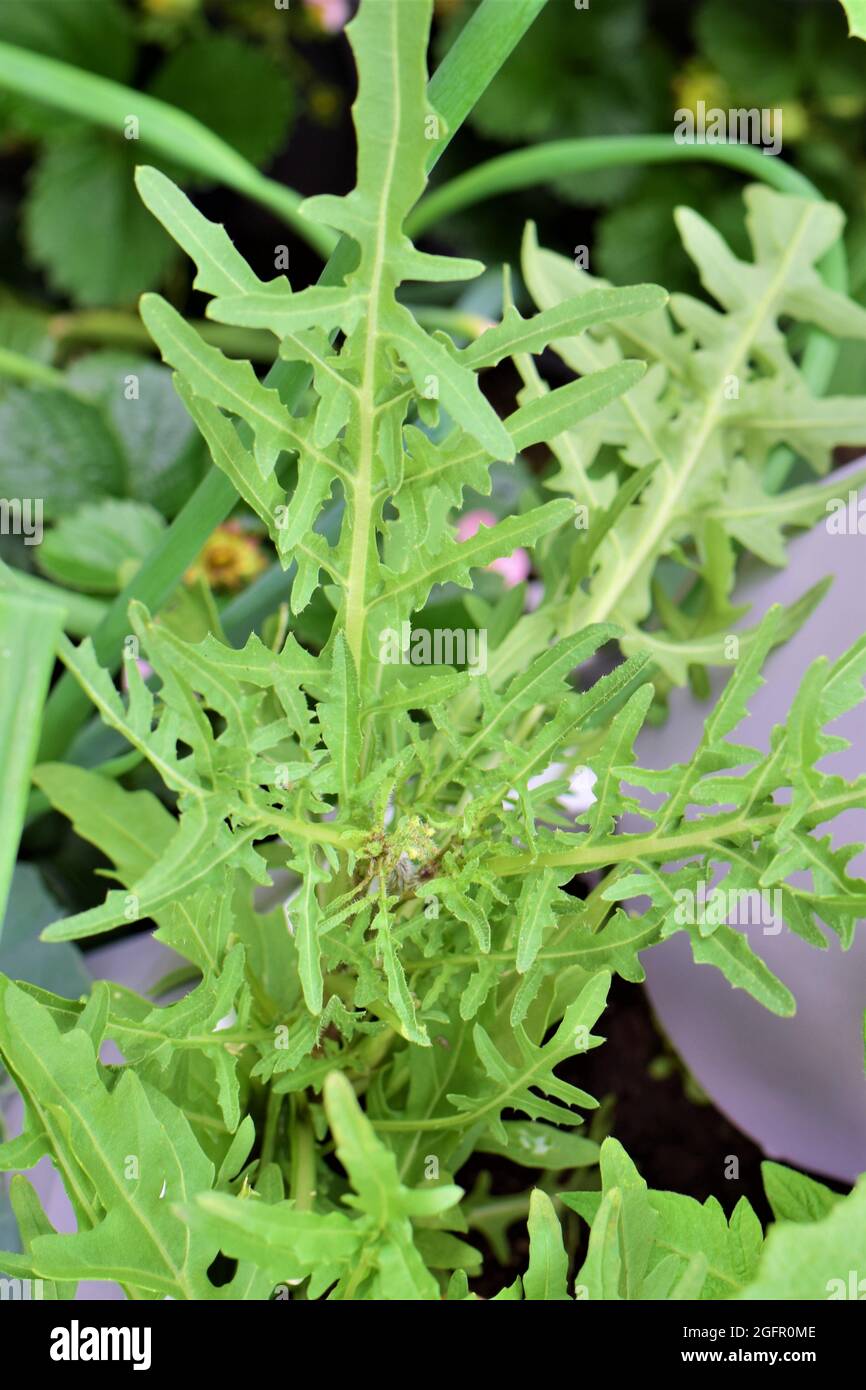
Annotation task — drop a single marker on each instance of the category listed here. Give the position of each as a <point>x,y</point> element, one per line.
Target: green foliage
<point>579,73</point>
<point>658,1245</point>
<point>95,35</point>
<point>99,547</point>
<point>720,393</point>
<point>623,70</point>
<point>56,447</point>
<point>28,634</point>
<point>84,178</point>
<point>424,988</point>
<point>238,91</point>
<point>22,955</point>
<point>651,1245</point>
<point>82,193</point>
<point>816,1259</point>
<point>126,1205</point>
<point>793,1196</point>
<point>856,15</point>
<point>111,426</point>
<point>369,1255</point>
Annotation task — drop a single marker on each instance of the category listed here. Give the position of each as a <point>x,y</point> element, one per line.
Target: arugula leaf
<point>125,1202</point>
<point>546,1275</point>
<point>814,1259</point>
<point>648,1245</point>
<point>720,391</point>
<point>794,1196</point>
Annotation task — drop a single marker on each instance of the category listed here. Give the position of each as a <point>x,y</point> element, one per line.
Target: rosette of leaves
<point>412,1000</point>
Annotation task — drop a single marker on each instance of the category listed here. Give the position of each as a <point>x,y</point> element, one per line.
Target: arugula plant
<point>306,1107</point>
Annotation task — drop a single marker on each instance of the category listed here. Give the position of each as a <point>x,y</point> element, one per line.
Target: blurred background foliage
<point>625,67</point>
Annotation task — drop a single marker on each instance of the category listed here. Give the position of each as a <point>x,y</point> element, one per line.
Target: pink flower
<point>534,595</point>
<point>331,15</point>
<point>144,670</point>
<point>514,568</point>
<point>470,522</point>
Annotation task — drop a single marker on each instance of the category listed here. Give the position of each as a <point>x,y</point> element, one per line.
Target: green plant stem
<point>468,68</point>
<point>272,1120</point>
<point>458,322</point>
<point>693,838</point>
<point>123,329</point>
<point>359,1273</point>
<point>473,61</point>
<point>319,832</point>
<point>363,488</point>
<point>540,164</point>
<point>174,134</point>
<point>21,368</point>
<point>302,1152</point>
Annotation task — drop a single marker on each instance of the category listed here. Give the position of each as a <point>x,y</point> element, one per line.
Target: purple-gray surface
<point>795,1085</point>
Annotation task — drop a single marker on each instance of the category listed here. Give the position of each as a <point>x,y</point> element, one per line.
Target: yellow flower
<point>695,82</point>
<point>845,105</point>
<point>795,120</point>
<point>171,9</point>
<point>230,558</point>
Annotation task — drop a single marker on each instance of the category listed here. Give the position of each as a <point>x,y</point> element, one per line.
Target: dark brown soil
<point>678,1141</point>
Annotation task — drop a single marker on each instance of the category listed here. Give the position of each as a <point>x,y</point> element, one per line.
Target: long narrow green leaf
<point>82,613</point>
<point>175,134</point>
<point>29,632</point>
<point>479,51</point>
